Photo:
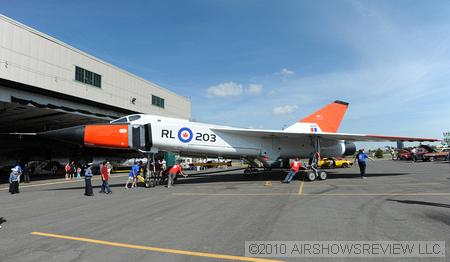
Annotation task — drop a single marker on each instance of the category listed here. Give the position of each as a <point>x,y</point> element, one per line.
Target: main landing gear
<point>313,173</point>
<point>321,175</point>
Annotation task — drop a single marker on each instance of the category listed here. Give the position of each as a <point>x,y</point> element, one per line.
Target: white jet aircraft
<point>314,136</point>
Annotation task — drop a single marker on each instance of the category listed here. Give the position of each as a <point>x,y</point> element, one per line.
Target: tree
<point>447,138</point>
<point>379,153</point>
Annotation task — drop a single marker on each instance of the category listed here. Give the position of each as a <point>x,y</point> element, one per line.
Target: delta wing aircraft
<point>313,136</point>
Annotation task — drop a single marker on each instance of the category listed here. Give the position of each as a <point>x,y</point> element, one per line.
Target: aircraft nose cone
<point>73,135</point>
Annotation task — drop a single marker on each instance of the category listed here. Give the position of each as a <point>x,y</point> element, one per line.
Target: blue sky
<point>266,64</point>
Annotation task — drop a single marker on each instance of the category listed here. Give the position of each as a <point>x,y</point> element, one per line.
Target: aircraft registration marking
<point>185,135</point>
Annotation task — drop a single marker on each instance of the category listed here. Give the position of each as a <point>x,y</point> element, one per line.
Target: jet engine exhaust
<point>350,148</point>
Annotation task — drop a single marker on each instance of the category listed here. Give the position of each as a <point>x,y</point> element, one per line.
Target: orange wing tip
<point>111,136</point>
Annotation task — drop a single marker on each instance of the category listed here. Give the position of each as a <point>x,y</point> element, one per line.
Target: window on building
<point>157,101</point>
<point>79,74</point>
<point>88,77</point>
<point>97,80</point>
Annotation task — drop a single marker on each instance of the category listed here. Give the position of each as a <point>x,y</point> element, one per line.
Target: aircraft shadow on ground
<point>423,203</point>
<point>217,177</point>
<point>82,187</point>
<point>205,172</point>
<point>270,175</point>
<point>332,175</point>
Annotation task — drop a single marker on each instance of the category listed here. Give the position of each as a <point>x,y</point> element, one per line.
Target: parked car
<point>441,155</point>
<point>424,153</point>
<point>331,162</point>
<point>404,154</point>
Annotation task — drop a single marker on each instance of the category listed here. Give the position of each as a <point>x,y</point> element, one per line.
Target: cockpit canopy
<point>126,119</point>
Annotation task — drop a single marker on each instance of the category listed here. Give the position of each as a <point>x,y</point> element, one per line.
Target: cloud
<point>224,90</point>
<point>390,67</point>
<point>285,73</point>
<point>254,89</point>
<point>283,110</point>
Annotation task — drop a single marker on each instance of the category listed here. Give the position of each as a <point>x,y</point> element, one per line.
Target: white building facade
<point>42,69</point>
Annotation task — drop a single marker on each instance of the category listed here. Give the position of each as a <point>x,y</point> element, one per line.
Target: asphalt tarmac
<point>209,217</point>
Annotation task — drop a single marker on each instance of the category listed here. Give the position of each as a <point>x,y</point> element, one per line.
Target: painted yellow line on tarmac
<point>155,249</point>
<point>60,182</point>
<point>300,190</point>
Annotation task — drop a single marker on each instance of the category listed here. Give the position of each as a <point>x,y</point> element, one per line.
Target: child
<point>67,170</point>
<point>78,172</point>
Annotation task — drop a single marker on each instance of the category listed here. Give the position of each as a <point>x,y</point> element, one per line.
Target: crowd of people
<point>73,171</point>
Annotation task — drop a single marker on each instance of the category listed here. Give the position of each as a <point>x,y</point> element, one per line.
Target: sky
<point>267,64</point>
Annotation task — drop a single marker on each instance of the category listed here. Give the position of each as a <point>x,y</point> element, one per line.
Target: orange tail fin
<point>328,118</point>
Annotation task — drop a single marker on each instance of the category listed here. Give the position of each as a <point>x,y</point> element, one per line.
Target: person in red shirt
<point>173,172</point>
<point>295,166</point>
<point>105,177</point>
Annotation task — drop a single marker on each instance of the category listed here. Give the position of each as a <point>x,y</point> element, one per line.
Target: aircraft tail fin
<point>328,118</point>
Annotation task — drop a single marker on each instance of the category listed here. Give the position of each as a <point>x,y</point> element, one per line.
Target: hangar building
<point>46,84</point>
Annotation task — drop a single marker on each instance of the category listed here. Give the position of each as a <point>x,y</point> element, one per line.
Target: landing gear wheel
<point>149,184</point>
<point>323,175</point>
<point>311,176</point>
<point>250,171</point>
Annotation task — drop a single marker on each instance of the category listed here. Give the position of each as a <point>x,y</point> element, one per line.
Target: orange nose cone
<point>114,136</point>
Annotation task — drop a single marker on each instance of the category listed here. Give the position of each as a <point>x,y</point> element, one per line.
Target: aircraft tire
<point>323,175</point>
<point>311,176</point>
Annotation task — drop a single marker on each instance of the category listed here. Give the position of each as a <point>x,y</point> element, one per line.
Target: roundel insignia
<point>185,135</point>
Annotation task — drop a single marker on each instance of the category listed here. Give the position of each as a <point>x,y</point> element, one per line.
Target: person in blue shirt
<point>87,179</point>
<point>133,174</point>
<point>361,157</point>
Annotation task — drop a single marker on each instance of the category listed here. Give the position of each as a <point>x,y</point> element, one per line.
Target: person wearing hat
<point>87,178</point>
<point>14,181</point>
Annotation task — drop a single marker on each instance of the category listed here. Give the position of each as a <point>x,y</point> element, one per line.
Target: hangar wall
<point>32,58</point>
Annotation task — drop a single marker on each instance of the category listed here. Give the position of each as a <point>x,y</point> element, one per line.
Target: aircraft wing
<point>336,136</point>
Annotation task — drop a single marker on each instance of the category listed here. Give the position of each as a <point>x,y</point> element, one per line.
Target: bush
<point>379,153</point>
